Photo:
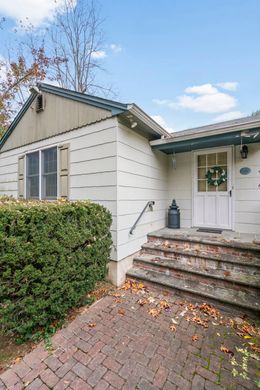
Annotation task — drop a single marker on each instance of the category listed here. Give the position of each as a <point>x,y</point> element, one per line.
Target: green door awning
<point>225,139</point>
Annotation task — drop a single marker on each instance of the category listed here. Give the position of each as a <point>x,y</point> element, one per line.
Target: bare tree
<point>76,37</point>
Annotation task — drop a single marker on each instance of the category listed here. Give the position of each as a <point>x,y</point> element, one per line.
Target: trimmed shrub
<point>51,253</point>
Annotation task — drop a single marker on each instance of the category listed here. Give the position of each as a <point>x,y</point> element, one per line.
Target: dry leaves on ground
<point>173,328</point>
<point>133,286</point>
<point>92,324</point>
<point>155,312</point>
<point>121,312</point>
<point>209,310</point>
<point>192,307</point>
<point>143,301</point>
<point>195,337</point>
<point>249,332</point>
<point>164,305</point>
<point>225,349</point>
<point>198,320</point>
<point>116,295</point>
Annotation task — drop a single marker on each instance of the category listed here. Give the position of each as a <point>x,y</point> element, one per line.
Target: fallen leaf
<point>118,300</point>
<point>174,321</point>
<point>190,306</point>
<point>151,299</point>
<point>121,312</point>
<point>225,349</point>
<point>18,359</point>
<point>195,337</point>
<point>255,348</point>
<point>198,320</point>
<point>227,273</point>
<point>132,285</point>
<point>116,294</point>
<point>92,324</point>
<point>164,304</point>
<point>155,312</point>
<point>218,334</point>
<point>209,310</point>
<point>173,328</point>
<point>143,301</point>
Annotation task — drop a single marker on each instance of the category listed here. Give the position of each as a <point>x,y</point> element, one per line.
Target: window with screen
<point>49,173</point>
<point>32,184</point>
<point>41,174</point>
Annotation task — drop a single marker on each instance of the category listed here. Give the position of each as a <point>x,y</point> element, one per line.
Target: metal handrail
<point>149,204</point>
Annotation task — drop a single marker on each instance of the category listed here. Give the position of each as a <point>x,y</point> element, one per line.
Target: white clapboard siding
<point>253,217</point>
<point>180,185</point>
<point>106,164</point>
<point>92,165</point>
<point>100,179</point>
<point>142,177</point>
<point>247,207</point>
<point>94,139</point>
<point>247,191</point>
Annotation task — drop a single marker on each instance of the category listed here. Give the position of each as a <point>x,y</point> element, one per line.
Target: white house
<point>67,144</point>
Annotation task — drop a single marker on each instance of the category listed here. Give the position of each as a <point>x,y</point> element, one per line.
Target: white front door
<point>212,203</point>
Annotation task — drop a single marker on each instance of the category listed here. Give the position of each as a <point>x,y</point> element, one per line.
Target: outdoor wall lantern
<point>244,151</point>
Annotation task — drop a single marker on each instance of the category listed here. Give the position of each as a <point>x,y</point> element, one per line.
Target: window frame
<point>40,151</point>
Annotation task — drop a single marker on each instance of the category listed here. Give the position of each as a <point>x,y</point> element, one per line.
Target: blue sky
<point>185,62</point>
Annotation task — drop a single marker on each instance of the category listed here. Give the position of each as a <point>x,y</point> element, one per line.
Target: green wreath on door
<point>211,176</point>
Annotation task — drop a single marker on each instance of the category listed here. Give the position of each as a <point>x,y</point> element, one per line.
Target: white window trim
<point>40,150</point>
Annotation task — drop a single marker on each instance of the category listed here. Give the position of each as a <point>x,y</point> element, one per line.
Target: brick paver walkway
<point>128,348</point>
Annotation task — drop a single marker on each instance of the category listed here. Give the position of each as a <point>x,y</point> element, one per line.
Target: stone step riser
<point>200,298</point>
<point>204,279</point>
<point>202,263</point>
<point>205,247</point>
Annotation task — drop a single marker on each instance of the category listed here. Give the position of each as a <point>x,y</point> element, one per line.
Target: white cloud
<point>202,98</point>
<point>99,54</point>
<point>212,103</point>
<point>228,85</point>
<point>204,89</point>
<point>227,116</point>
<point>159,119</point>
<point>30,11</point>
<point>115,48</point>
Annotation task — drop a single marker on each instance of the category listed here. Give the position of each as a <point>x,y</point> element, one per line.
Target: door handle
<point>230,193</point>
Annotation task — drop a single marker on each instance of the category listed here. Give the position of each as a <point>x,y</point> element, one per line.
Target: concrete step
<point>204,260</point>
<point>226,279</point>
<point>234,299</point>
<point>211,244</point>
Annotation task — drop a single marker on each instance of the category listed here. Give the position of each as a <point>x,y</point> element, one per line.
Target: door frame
<point>231,178</point>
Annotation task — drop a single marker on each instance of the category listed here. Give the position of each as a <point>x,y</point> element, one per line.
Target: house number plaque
<point>245,171</point>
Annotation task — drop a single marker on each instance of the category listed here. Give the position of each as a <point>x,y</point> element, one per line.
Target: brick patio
<point>128,348</point>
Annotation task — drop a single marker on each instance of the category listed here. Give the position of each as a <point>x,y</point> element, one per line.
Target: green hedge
<point>50,255</point>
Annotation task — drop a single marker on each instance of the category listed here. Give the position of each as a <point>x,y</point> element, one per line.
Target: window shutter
<point>64,171</point>
<point>21,160</point>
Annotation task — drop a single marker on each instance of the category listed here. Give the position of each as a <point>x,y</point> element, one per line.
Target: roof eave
<point>17,118</point>
<point>106,104</point>
<point>143,117</point>
<point>207,133</point>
